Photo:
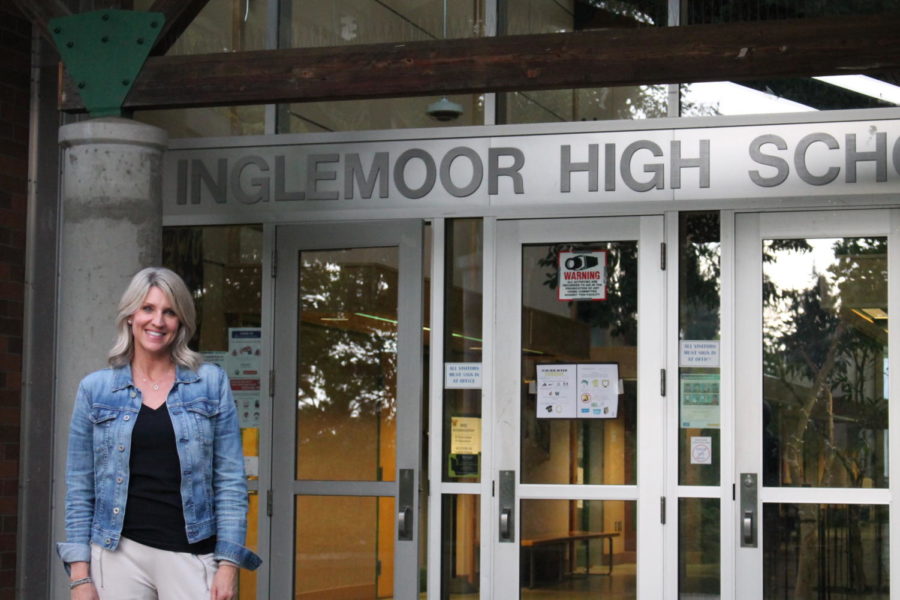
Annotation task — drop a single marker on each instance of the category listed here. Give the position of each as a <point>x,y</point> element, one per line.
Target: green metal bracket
<point>104,51</point>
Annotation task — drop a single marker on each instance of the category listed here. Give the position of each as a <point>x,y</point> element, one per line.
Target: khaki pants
<point>138,572</point>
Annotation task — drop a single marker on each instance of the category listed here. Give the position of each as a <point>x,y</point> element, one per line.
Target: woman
<point>156,501</point>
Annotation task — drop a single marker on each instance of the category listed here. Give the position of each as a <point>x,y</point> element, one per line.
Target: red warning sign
<point>582,275</point>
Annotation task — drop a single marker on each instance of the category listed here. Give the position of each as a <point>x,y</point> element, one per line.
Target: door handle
<point>505,524</point>
<point>404,523</point>
<point>406,501</point>
<point>747,527</point>
<point>748,513</point>
<point>507,506</point>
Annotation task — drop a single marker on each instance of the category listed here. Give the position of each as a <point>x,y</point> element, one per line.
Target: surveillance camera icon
<point>581,262</point>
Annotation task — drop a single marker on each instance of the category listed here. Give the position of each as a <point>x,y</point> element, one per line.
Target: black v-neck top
<point>154,515</point>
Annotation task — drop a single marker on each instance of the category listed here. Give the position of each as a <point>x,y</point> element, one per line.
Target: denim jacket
<point>213,487</point>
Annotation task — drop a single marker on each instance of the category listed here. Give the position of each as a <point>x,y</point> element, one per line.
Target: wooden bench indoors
<point>530,545</point>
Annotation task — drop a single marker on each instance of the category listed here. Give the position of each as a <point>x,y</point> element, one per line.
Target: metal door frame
<point>750,229</point>
<point>290,241</point>
<point>648,493</point>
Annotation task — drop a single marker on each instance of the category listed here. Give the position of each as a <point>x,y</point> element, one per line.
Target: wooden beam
<point>179,14</point>
<point>600,58</point>
<point>39,12</point>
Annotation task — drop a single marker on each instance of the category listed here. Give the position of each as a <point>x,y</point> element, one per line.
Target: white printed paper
<point>462,376</point>
<point>701,450</point>
<point>251,466</point>
<point>699,353</point>
<point>598,391</point>
<point>556,391</point>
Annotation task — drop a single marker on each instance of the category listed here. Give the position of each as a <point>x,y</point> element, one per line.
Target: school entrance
<point>695,402</point>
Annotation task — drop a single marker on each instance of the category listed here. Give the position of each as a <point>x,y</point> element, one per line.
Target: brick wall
<point>15,35</point>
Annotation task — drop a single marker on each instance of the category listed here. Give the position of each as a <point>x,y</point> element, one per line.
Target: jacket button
<point>108,542</point>
<point>116,510</point>
<point>121,448</point>
<point>118,480</point>
<point>127,417</point>
<point>133,394</point>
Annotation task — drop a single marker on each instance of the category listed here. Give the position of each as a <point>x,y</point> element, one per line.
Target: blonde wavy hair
<point>177,293</point>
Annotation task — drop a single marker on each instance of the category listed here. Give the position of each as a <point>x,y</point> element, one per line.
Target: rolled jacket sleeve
<point>79,484</point>
<point>230,483</point>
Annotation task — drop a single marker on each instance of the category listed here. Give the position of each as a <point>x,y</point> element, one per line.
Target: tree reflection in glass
<point>347,365</point>
<point>579,451</point>
<point>825,414</point>
<point>825,351</point>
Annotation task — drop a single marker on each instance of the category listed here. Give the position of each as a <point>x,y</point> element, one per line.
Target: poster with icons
<point>556,391</point>
<point>586,391</point>
<point>244,349</point>
<point>598,391</point>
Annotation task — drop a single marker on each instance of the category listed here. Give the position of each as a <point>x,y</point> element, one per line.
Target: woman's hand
<point>224,585</point>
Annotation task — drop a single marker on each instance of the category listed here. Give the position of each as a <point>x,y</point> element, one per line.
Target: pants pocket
<point>210,566</point>
<point>97,565</point>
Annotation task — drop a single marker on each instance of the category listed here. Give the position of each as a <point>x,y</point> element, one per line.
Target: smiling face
<point>154,324</point>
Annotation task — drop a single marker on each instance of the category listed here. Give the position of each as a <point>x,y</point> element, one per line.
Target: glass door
<point>812,351</point>
<point>348,396</point>
<point>579,419</point>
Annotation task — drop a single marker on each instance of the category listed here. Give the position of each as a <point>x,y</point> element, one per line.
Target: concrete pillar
<point>110,227</point>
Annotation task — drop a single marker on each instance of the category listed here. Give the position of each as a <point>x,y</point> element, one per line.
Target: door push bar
<point>749,516</point>
<point>405,519</point>
<point>507,506</point>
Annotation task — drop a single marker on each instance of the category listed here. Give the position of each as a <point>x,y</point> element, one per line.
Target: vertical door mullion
<point>284,422</point>
<point>747,391</point>
<point>894,396</point>
<point>488,401</point>
<point>436,409</point>
<point>409,399</point>
<point>670,533</point>
<point>506,399</point>
<point>727,405</point>
<point>651,408</point>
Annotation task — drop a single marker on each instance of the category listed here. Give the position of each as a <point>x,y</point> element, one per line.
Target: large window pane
<point>222,26</point>
<point>555,448</point>
<point>699,398</point>
<point>838,552</point>
<point>461,547</point>
<point>344,548</point>
<point>825,353</point>
<point>347,365</point>
<point>578,549</point>
<point>308,23</point>
<point>790,94</point>
<point>699,548</point>
<point>554,16</point>
<point>463,345</point>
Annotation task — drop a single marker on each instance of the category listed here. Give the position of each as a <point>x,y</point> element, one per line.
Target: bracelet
<point>77,582</point>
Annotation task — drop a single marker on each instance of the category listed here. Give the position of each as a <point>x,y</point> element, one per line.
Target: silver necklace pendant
<point>155,387</point>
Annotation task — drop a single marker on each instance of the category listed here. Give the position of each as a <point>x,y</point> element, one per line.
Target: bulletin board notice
<point>582,391</point>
